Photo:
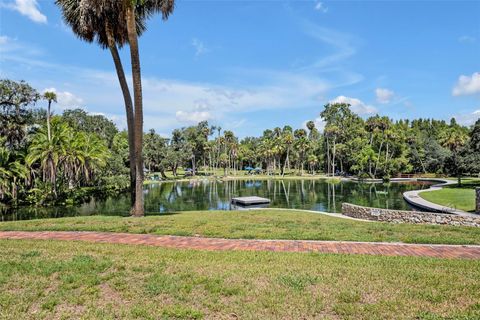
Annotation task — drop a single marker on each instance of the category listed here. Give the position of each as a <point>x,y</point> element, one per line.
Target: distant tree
<point>154,152</point>
<point>80,120</point>
<point>471,153</point>
<point>301,145</point>
<point>454,139</point>
<point>223,160</point>
<point>16,99</point>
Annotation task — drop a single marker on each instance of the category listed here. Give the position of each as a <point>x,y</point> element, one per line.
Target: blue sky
<point>251,65</point>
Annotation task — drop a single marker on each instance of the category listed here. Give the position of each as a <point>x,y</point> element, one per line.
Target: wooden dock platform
<point>249,201</point>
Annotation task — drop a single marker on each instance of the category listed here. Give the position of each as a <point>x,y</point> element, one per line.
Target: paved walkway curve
<point>345,247</point>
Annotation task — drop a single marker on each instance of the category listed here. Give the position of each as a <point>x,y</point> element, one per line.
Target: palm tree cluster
<point>54,158</point>
<point>75,155</point>
<point>43,157</point>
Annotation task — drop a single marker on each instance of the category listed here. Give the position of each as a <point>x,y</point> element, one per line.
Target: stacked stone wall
<point>417,217</point>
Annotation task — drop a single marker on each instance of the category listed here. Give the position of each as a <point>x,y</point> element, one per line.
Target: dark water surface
<point>318,195</point>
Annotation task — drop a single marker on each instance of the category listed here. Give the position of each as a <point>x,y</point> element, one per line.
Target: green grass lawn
<point>259,224</point>
<point>459,198</point>
<point>73,280</point>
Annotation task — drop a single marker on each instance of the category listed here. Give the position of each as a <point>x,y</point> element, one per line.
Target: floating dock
<point>250,201</point>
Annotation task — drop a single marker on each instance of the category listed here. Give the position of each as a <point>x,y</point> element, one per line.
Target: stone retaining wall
<point>397,216</point>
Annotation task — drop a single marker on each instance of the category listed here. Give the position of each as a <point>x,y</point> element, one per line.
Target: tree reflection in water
<point>318,195</point>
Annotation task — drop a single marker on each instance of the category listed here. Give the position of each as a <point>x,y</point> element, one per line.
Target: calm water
<point>216,195</point>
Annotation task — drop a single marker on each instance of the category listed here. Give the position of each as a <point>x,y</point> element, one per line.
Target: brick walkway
<point>372,248</point>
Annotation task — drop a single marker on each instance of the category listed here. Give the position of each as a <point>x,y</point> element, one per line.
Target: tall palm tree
<point>111,23</point>
<point>141,9</point>
<point>50,97</point>
<point>105,28</point>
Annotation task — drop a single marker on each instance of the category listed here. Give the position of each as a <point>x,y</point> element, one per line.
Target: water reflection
<point>216,195</point>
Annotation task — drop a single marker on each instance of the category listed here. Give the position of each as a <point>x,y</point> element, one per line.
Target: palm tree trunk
<point>333,156</point>
<point>138,121</point>
<point>48,121</point>
<point>378,159</point>
<point>328,157</point>
<point>129,112</point>
<point>285,164</point>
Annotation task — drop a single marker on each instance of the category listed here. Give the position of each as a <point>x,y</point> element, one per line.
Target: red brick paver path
<point>372,248</point>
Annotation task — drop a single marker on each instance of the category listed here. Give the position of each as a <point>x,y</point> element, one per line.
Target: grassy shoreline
<point>463,199</point>
<point>60,280</point>
<point>245,177</point>
<point>457,196</point>
<point>261,224</point>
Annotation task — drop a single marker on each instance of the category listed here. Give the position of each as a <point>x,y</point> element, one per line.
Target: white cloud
<point>468,119</point>
<point>3,40</point>
<point>201,112</point>
<point>65,99</point>
<point>193,117</point>
<point>284,90</point>
<point>357,105</point>
<point>384,95</point>
<point>199,47</point>
<point>467,39</point>
<point>28,8</point>
<point>467,85</point>
<point>320,6</point>
<point>169,103</point>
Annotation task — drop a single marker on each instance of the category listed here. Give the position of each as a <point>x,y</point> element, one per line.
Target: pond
<point>318,195</point>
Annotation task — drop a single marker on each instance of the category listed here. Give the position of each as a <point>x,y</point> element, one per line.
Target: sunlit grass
<point>459,198</point>
<point>70,280</point>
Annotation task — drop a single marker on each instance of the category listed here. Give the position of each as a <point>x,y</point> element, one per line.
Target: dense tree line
<point>377,147</point>
<point>51,159</point>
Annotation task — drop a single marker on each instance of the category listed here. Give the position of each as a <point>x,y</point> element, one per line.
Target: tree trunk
<point>378,159</point>
<point>285,164</point>
<point>370,160</point>
<point>127,98</point>
<point>333,157</point>
<point>48,121</point>
<point>328,157</point>
<point>162,173</point>
<point>386,160</point>
<point>194,169</point>
<point>138,121</point>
